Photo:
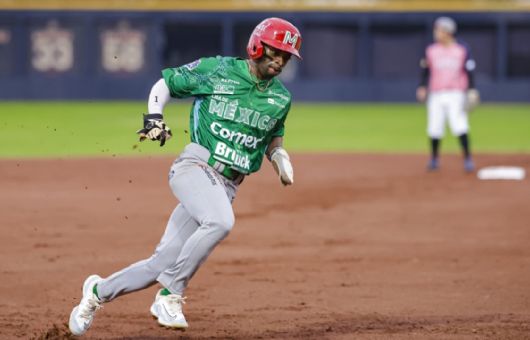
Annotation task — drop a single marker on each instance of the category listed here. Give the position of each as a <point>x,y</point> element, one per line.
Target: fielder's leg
<point>435,127</point>
<point>469,166</point>
<point>459,123</point>
<point>435,147</point>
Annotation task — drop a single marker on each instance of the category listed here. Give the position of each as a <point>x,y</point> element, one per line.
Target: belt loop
<point>220,166</point>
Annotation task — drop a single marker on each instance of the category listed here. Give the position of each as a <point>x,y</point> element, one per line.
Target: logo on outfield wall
<point>123,49</point>
<point>5,36</point>
<point>52,48</point>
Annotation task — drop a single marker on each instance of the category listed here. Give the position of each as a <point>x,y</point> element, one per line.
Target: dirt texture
<point>361,247</point>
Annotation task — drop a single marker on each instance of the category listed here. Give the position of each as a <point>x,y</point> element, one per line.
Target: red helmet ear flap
<point>254,47</point>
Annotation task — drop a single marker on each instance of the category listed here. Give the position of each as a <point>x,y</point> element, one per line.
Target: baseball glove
<point>472,99</point>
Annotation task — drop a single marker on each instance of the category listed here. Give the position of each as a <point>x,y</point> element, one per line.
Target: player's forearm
<point>470,71</point>
<point>470,79</point>
<point>276,142</point>
<point>158,97</point>
<point>425,74</point>
<point>154,126</point>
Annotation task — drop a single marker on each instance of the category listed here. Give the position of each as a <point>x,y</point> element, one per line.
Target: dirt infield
<point>362,247</point>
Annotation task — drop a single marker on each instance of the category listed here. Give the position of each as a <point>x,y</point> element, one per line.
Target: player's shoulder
<point>463,45</point>
<point>224,64</point>
<point>202,63</point>
<point>431,51</point>
<point>223,61</point>
<point>432,47</point>
<point>205,64</point>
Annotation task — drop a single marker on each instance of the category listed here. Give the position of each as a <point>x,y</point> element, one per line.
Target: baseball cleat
<point>469,166</point>
<point>155,304</point>
<point>168,310</point>
<point>83,314</point>
<point>433,165</point>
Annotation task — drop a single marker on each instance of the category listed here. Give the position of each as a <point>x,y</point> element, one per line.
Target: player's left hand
<point>421,94</point>
<point>282,165</point>
<point>472,99</point>
<point>155,129</point>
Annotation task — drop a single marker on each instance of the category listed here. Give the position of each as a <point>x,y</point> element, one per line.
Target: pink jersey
<point>447,66</point>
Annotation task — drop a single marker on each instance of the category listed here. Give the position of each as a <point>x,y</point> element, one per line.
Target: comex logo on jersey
<point>225,153</point>
<point>235,136</point>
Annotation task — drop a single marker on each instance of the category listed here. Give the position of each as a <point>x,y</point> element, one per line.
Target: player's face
<point>272,62</point>
<point>440,35</point>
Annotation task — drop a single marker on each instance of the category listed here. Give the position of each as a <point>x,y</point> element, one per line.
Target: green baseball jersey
<point>234,115</point>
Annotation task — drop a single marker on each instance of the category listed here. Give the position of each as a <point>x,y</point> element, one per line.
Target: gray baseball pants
<point>203,218</point>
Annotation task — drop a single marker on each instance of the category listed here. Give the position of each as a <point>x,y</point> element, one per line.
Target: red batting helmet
<point>277,33</point>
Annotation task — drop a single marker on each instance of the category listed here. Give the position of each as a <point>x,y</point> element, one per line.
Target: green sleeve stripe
<point>196,108</point>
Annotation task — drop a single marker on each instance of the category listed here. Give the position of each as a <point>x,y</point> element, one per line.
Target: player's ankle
<point>165,292</point>
<point>95,291</point>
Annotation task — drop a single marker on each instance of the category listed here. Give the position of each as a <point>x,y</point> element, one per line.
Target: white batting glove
<point>282,165</point>
<point>472,99</point>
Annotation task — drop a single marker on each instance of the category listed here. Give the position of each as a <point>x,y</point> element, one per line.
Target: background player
<point>237,117</point>
<point>447,85</point>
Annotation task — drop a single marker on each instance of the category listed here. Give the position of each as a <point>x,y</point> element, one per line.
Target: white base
<point>501,172</point>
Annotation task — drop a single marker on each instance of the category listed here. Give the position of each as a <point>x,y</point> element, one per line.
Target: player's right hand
<point>421,94</point>
<point>154,129</point>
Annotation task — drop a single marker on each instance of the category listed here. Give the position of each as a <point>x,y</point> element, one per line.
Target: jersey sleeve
<point>279,129</point>
<point>191,79</point>
<point>425,70</point>
<point>469,66</point>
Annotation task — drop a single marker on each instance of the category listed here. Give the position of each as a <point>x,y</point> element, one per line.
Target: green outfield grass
<point>45,129</point>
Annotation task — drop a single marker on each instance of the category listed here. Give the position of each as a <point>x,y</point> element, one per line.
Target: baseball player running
<point>447,86</point>
<point>237,117</point>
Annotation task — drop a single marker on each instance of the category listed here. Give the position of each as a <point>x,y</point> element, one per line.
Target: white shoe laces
<point>174,303</point>
<point>89,308</point>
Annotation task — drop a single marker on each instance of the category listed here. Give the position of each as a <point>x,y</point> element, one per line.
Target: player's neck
<point>253,69</point>
<point>448,42</point>
<point>262,83</point>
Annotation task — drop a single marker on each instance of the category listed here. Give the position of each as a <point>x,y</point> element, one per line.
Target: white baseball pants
<point>442,105</point>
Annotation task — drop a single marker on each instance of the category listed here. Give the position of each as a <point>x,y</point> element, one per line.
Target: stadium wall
<point>348,56</point>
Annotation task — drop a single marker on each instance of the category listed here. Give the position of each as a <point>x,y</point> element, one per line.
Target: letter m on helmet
<point>290,39</point>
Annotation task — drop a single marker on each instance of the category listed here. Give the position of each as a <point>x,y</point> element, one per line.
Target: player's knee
<point>457,132</point>
<point>435,133</point>
<point>156,264</point>
<point>223,224</point>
